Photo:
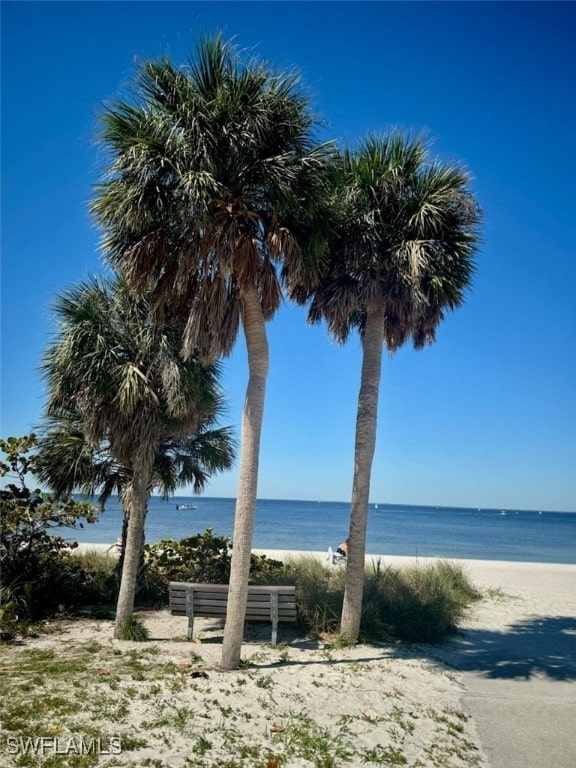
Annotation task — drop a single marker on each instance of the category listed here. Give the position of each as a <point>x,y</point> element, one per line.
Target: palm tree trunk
<point>366,418</point>
<point>136,500</point>
<point>252,413</point>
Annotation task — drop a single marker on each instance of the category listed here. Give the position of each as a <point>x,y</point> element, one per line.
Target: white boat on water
<point>186,506</point>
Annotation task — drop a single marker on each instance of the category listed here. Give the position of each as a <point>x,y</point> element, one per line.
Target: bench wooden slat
<point>252,588</point>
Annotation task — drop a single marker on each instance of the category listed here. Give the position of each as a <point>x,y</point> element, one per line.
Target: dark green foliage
<point>36,562</point>
<point>319,594</point>
<point>264,570</point>
<point>202,558</point>
<point>101,577</point>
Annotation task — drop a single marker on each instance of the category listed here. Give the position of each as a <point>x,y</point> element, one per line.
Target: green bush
<point>8,616</point>
<point>265,570</point>
<point>100,572</point>
<point>202,559</point>
<point>319,594</point>
<point>36,565</point>
<point>420,604</point>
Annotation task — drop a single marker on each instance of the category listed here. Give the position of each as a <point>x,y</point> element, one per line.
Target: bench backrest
<point>212,600</point>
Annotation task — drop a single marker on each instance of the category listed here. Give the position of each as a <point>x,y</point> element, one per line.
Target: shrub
<point>202,558</point>
<point>421,604</point>
<point>35,561</point>
<point>8,616</point>
<point>135,631</point>
<point>319,594</point>
<point>265,570</point>
<point>100,577</point>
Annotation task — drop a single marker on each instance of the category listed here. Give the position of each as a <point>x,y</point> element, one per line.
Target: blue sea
<point>452,532</point>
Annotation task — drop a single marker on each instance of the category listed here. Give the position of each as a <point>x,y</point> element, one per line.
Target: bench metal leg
<point>274,615</point>
<point>190,612</point>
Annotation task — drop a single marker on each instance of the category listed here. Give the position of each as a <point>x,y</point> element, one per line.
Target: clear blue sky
<point>485,417</point>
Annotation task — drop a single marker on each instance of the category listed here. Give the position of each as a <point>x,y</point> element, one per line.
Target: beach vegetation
<point>135,630</point>
<point>38,574</point>
<point>420,604</point>
<point>497,594</point>
<point>400,258</point>
<point>8,615</point>
<point>100,570</point>
<point>125,412</point>
<point>98,690</point>
<point>213,188</point>
<point>204,558</point>
<point>303,738</point>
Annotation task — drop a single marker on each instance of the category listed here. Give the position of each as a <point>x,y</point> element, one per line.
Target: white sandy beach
<point>425,706</point>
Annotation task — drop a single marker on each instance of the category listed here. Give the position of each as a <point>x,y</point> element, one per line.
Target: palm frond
<point>405,238</point>
<point>118,388</point>
<point>214,177</point>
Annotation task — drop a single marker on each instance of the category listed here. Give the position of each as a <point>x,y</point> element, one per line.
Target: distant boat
<point>375,506</point>
<point>186,506</point>
<point>503,512</point>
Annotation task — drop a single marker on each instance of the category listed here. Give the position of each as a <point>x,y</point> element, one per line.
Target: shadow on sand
<point>542,645</point>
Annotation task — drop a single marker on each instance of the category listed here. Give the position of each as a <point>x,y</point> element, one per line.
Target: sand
<point>499,694</point>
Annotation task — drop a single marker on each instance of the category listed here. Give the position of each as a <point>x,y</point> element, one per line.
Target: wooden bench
<point>264,603</point>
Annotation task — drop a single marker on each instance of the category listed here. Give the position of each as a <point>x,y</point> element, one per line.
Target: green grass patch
<point>135,631</point>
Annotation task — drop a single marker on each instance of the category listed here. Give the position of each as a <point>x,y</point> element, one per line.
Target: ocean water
<point>484,534</point>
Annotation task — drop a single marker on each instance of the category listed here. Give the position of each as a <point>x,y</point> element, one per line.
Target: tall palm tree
<point>403,255</point>
<point>214,181</point>
<point>125,411</point>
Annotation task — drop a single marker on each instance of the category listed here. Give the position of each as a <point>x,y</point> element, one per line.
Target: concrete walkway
<point>517,655</point>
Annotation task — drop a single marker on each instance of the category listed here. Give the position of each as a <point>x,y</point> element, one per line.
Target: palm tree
<point>403,255</point>
<point>214,181</point>
<point>68,462</point>
<point>126,412</point>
